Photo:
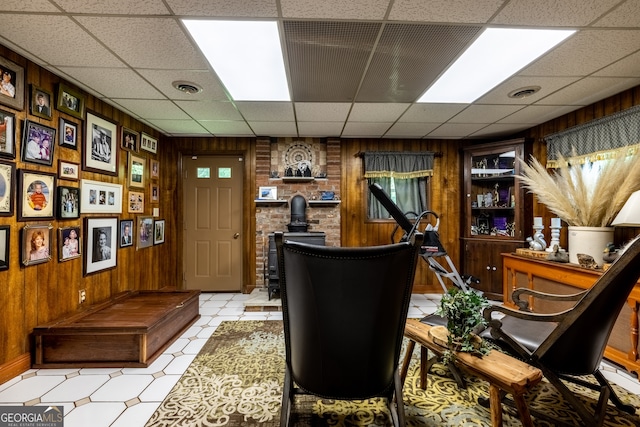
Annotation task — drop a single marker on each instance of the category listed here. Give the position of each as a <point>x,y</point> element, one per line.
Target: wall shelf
<point>323,202</point>
<point>270,202</point>
<point>298,179</point>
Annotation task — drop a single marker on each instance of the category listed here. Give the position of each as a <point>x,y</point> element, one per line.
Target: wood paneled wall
<point>40,293</point>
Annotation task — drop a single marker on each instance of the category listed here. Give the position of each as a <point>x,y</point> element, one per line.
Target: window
<point>403,175</point>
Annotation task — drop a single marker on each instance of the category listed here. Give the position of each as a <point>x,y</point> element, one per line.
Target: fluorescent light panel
<point>246,55</point>
<point>495,56</point>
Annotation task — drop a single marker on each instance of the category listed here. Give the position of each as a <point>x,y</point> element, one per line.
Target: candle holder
<point>555,228</point>
<point>537,242</point>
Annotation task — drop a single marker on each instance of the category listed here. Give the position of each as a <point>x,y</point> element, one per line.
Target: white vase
<point>589,240</point>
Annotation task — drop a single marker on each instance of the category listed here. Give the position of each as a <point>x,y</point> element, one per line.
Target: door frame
<point>248,212</point>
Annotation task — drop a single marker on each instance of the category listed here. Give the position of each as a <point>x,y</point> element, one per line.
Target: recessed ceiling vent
<point>187,87</point>
<point>524,92</point>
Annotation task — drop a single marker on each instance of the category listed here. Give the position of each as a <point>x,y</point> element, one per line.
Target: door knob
<point>235,236</point>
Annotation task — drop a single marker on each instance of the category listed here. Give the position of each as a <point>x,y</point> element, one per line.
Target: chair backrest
<point>344,312</point>
<point>577,345</point>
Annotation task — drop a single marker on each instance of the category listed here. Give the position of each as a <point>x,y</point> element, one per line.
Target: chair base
<point>395,402</point>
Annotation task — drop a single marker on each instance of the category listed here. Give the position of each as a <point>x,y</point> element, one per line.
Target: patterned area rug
<point>236,380</point>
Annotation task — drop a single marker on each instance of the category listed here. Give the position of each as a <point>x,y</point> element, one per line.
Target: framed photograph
<point>7,186</point>
<point>148,143</point>
<point>7,134</point>
<point>68,202</point>
<point>136,202</point>
<point>158,231</point>
<point>100,244</point>
<point>36,244</point>
<point>130,140</point>
<point>69,243</point>
<point>69,171</point>
<point>126,233</point>
<point>70,101</point>
<point>12,86</point>
<point>155,169</point>
<point>38,142</point>
<point>41,101</point>
<point>68,132</point>
<point>268,193</point>
<point>100,197</point>
<point>154,193</point>
<point>136,169</point>
<point>100,152</point>
<point>5,248</point>
<point>145,232</point>
<point>36,195</point>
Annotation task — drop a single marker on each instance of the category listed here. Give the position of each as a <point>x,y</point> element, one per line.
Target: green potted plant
<point>463,311</point>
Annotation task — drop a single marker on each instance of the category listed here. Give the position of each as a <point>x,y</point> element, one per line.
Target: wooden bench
<point>500,370</point>
<point>129,330</point>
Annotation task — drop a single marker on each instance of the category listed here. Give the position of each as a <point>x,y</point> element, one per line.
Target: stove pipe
<point>298,214</point>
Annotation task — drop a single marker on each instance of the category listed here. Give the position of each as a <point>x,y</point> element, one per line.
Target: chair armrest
<point>524,304</point>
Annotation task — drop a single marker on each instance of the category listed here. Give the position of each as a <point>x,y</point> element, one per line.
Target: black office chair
<point>344,312</point>
<point>571,343</point>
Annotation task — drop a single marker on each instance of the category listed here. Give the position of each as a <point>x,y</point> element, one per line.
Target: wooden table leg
<point>407,360</point>
<point>424,369</point>
<point>523,410</point>
<point>495,406</point>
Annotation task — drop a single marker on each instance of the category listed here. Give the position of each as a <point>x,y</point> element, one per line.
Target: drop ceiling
<point>355,67</point>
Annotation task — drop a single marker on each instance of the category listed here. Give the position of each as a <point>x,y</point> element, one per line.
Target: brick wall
<point>270,217</point>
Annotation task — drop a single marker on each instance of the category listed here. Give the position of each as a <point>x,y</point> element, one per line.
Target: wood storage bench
<point>129,330</point>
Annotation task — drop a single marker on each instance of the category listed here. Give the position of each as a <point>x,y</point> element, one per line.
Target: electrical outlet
<point>82,295</point>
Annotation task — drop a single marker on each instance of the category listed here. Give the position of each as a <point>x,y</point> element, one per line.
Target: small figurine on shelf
<point>496,196</point>
<point>488,199</point>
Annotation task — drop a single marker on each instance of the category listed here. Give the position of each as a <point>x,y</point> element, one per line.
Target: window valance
<point>402,165</point>
<point>596,140</point>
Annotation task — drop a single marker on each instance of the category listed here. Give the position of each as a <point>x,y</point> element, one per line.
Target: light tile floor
<point>128,397</point>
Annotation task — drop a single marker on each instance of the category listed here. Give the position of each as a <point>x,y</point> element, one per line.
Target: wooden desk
<point>500,370</point>
<point>564,278</point>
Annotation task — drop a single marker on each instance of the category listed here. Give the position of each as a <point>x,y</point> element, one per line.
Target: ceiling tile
<point>139,43</point>
<point>469,11</point>
<point>365,130</point>
<point>335,9</point>
<point>227,127</point>
<point>28,6</point>
<point>322,111</point>
<point>548,85</point>
<point>585,52</point>
<point>371,112</point>
<point>158,109</point>
<point>225,8</point>
<point>320,129</point>
<point>552,13</point>
<point>626,14</point>
<point>432,113</point>
<point>265,111</point>
<point>114,7</point>
<point>210,110</point>
<point>114,82</point>
<point>163,79</point>
<point>180,127</point>
<point>484,113</point>
<point>590,90</point>
<point>274,128</point>
<point>448,130</point>
<point>626,67</point>
<point>499,130</point>
<point>410,130</point>
<point>534,114</point>
<point>69,46</point>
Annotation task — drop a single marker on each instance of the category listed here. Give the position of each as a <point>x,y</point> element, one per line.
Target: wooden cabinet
<point>496,211</point>
<point>558,278</point>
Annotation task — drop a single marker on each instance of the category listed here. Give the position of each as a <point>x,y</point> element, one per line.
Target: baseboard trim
<point>15,367</point>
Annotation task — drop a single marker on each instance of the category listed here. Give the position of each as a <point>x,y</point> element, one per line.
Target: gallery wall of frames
<point>80,183</point>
